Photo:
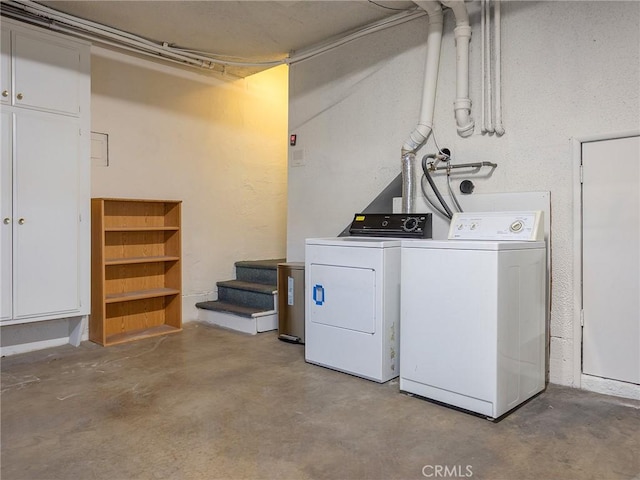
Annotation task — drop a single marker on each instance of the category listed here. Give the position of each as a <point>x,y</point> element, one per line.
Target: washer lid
<point>366,242</point>
<point>470,245</point>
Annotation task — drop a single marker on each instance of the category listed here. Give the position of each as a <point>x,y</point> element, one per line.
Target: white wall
<point>217,144</point>
<point>570,69</point>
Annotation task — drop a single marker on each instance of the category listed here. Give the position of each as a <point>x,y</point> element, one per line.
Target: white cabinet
<point>5,67</point>
<point>36,58</point>
<point>45,184</point>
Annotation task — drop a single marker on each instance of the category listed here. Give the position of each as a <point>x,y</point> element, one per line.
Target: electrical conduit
<point>497,18</point>
<point>425,124</point>
<point>489,126</point>
<point>483,62</point>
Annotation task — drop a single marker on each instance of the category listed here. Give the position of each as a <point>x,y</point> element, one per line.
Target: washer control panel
<point>399,225</point>
<point>521,226</point>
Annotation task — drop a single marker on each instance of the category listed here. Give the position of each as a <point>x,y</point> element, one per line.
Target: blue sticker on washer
<point>318,294</point>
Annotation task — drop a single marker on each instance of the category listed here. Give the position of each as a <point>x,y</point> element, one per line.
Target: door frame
<point>580,380</point>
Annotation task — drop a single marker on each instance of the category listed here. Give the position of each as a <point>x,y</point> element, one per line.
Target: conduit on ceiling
<point>32,12</point>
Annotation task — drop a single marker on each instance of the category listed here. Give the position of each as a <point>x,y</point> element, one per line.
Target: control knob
<point>410,224</point>
<point>516,226</point>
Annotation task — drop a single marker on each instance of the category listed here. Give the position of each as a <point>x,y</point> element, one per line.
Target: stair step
<point>249,297</point>
<point>249,303</point>
<point>259,271</point>
<point>271,264</point>
<point>240,310</point>
<point>249,286</point>
<point>264,322</point>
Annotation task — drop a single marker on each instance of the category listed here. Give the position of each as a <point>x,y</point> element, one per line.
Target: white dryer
<point>352,309</point>
<point>473,313</point>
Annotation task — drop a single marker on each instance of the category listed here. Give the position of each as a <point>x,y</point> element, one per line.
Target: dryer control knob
<point>410,224</point>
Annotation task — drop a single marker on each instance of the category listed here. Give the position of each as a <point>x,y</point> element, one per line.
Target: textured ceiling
<point>251,30</point>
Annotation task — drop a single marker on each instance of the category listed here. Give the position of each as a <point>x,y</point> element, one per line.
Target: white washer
<point>473,313</point>
<point>352,309</point>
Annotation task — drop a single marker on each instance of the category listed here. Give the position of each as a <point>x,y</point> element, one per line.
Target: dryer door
<point>343,297</point>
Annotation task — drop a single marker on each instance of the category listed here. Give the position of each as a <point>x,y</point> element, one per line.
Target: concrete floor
<point>209,403</point>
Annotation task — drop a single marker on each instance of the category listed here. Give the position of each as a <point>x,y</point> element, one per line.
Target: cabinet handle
<point>20,96</point>
<point>21,221</point>
<point>5,93</point>
<point>6,221</point>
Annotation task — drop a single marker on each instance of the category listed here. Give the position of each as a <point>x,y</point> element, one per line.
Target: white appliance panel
<point>520,345</point>
<point>352,306</point>
<point>508,226</point>
<point>473,324</point>
<point>449,347</point>
<point>343,297</point>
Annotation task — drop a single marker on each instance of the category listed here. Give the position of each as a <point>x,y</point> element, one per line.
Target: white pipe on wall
<point>497,20</point>
<point>434,40</point>
<point>483,74</point>
<point>462,34</point>
<point>489,126</point>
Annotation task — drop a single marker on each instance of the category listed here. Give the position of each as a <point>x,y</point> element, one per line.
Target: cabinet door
<point>6,215</point>
<point>5,66</point>
<point>46,215</point>
<point>46,73</point>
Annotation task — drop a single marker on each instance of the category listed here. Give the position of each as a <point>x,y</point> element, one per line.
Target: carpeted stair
<point>249,303</point>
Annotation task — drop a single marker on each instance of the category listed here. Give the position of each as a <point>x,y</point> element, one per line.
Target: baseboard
<point>29,337</point>
<point>610,387</point>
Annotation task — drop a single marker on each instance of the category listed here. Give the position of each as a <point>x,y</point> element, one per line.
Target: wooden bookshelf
<point>136,272</point>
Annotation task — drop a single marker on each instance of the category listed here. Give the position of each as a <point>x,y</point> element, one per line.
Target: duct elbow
<point>410,145</point>
<point>462,108</point>
<point>417,138</point>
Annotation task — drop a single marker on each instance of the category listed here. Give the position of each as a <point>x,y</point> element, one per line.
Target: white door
<point>611,258</point>
<point>46,215</point>
<point>6,216</point>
